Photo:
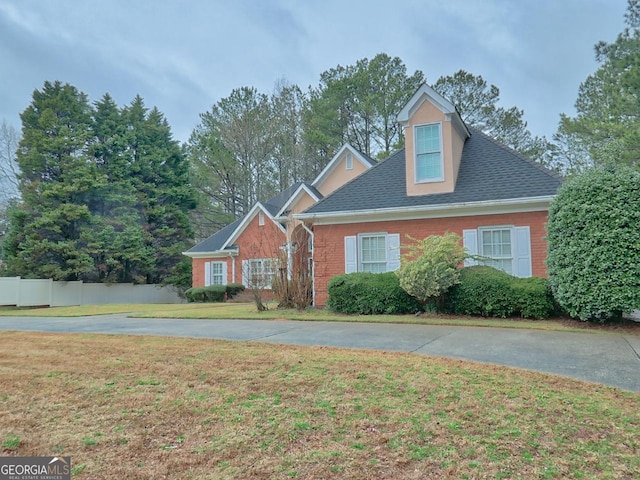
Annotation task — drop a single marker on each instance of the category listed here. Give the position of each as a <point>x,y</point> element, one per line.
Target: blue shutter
<point>393,252</point>
<point>350,254</point>
<point>522,252</point>
<point>207,274</point>
<point>470,242</point>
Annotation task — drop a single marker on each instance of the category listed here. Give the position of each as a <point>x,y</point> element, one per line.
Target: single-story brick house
<point>356,214</point>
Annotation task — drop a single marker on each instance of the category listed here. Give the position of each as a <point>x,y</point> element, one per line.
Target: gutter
<point>512,205</point>
<point>215,254</point>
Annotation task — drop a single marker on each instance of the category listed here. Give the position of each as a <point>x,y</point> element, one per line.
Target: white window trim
<point>415,154</point>
<point>361,263</point>
<point>521,260</point>
<point>348,161</point>
<point>260,218</point>
<point>494,228</point>
<point>353,251</point>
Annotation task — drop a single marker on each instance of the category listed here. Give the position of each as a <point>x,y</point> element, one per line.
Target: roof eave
<point>214,254</point>
<point>489,207</point>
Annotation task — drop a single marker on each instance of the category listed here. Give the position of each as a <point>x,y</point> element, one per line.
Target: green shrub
<point>532,297</point>
<point>369,294</point>
<point>234,289</point>
<point>483,291</point>
<point>489,292</point>
<point>213,293</point>
<point>594,244</point>
<point>194,294</point>
<point>429,268</point>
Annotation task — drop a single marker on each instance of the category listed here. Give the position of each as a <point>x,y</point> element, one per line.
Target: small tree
<point>594,244</point>
<point>430,266</point>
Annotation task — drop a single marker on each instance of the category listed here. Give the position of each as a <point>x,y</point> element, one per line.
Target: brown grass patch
<point>155,407</point>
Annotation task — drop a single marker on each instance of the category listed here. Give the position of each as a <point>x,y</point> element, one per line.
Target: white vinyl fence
<point>31,293</point>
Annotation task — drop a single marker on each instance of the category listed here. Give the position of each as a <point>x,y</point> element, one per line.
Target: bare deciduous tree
<point>9,139</point>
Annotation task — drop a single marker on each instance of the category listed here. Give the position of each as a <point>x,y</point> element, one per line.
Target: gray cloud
<point>184,56</point>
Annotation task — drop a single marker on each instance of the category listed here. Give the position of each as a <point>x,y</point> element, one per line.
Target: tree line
<point>252,145</point>
<point>103,193</point>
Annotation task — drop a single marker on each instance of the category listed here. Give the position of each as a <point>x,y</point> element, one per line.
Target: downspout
<point>233,268</point>
<point>313,263</point>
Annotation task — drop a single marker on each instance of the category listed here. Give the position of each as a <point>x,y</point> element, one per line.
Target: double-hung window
<point>373,253</point>
<point>495,245</point>
<point>429,165</point>
<point>215,273</point>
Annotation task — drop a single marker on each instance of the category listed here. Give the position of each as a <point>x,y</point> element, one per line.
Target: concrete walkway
<point>609,359</point>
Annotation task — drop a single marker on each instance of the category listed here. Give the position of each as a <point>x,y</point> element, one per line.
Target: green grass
<point>10,442</point>
<point>248,311</point>
<point>148,407</point>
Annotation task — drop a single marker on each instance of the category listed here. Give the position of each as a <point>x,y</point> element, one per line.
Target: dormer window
<point>429,165</point>
<point>349,161</point>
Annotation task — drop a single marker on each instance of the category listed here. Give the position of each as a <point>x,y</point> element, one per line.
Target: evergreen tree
<point>606,129</point>
<point>159,172</point>
<point>105,192</point>
<point>56,186</point>
<point>119,244</point>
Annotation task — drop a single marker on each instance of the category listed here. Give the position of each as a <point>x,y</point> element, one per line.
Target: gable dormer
<point>434,137</point>
<point>346,164</point>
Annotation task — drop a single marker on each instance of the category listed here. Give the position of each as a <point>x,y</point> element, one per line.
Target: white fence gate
<point>23,292</point>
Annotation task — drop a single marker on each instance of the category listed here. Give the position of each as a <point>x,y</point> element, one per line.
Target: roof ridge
<point>357,177</point>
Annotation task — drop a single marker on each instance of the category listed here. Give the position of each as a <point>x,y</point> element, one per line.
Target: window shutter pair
<point>208,273</point>
<point>520,245</point>
<point>351,253</point>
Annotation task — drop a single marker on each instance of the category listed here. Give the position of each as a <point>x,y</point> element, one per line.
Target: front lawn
<point>157,407</point>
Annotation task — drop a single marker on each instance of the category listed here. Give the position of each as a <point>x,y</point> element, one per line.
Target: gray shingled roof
<point>488,171</point>
<point>273,205</point>
<point>217,240</point>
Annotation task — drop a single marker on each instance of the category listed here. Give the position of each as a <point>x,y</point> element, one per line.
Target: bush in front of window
<point>482,290</point>
<point>593,236</point>
<point>213,293</point>
<point>366,293</point>
<point>234,289</point>
<point>430,267</point>
<point>489,292</point>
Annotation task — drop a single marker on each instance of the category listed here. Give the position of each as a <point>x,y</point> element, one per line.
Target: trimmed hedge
<point>234,289</point>
<point>369,294</point>
<point>213,293</point>
<point>533,297</point>
<point>489,292</point>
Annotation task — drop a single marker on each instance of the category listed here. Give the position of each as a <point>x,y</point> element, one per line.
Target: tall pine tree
<point>105,192</point>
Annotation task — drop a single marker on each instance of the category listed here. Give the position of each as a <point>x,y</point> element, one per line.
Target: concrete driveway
<point>609,359</point>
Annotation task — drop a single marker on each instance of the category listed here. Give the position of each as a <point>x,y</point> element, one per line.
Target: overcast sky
<point>184,55</point>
